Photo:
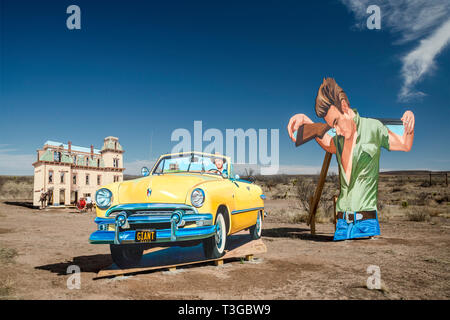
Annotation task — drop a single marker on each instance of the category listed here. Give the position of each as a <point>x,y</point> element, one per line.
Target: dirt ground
<point>37,246</point>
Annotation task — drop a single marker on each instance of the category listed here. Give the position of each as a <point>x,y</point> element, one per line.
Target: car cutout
<point>186,199</point>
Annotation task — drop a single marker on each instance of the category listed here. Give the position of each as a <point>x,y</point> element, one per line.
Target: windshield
<point>192,163</point>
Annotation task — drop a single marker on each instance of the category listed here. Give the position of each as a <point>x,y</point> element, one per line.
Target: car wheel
<point>126,256</point>
<point>255,231</point>
<point>214,247</point>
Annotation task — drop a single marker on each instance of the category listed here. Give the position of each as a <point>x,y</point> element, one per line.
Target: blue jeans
<point>356,229</point>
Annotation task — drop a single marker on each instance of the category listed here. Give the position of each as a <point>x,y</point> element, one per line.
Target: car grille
<point>159,225</point>
<point>160,212</point>
<point>146,226</point>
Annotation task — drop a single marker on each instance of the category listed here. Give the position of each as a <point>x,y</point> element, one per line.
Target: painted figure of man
<point>357,145</point>
<point>219,163</point>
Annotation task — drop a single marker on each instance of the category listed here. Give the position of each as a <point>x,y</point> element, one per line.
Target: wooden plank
<point>218,263</point>
<point>238,250</point>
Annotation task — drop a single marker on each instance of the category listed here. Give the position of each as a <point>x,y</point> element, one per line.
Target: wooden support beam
<point>176,257</point>
<point>249,257</point>
<point>218,263</point>
<point>318,193</point>
<point>311,220</point>
<point>334,211</point>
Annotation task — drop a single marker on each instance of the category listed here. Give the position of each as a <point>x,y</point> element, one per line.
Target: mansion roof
<point>74,148</point>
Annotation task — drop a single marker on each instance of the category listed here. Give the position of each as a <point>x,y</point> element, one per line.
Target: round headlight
<point>197,197</point>
<point>103,198</point>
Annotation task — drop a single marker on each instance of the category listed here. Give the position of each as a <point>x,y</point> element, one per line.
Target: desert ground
<point>37,246</point>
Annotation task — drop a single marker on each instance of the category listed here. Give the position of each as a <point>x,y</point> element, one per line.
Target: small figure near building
<point>43,200</point>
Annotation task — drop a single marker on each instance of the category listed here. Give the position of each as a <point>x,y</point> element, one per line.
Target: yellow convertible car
<point>187,198</point>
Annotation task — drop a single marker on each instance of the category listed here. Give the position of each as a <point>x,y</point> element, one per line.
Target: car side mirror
<point>145,172</point>
<point>237,177</point>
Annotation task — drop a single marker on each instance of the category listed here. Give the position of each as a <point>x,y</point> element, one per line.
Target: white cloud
<point>7,150</point>
<point>134,167</point>
<point>420,61</point>
<point>409,20</point>
<point>282,169</point>
<point>16,164</point>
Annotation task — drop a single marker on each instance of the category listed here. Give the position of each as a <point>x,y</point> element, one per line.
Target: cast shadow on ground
<point>92,263</point>
<point>165,256</point>
<point>25,204</point>
<point>296,233</point>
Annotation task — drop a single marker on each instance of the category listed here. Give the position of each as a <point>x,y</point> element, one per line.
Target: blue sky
<point>141,69</point>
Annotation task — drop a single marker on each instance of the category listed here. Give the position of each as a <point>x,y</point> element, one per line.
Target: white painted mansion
<point>70,172</point>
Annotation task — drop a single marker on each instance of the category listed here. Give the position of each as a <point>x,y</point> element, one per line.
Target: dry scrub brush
<point>12,187</point>
<point>305,189</point>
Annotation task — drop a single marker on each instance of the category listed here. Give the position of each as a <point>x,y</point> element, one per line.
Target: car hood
<point>166,188</point>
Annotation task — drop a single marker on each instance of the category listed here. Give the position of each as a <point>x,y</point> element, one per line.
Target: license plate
<point>145,236</point>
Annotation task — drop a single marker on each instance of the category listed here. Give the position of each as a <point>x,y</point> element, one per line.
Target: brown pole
<point>334,211</point>
<point>312,221</point>
<point>318,192</point>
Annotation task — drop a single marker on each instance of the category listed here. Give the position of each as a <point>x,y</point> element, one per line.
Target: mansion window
<point>50,177</point>
<point>62,177</point>
<point>57,156</point>
<point>99,180</point>
<point>74,179</point>
<point>87,179</point>
<point>115,163</point>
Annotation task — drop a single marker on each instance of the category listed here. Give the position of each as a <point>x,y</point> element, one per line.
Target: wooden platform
<point>160,258</point>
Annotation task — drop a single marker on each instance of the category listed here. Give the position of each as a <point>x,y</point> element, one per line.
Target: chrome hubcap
<point>258,223</point>
<point>218,234</point>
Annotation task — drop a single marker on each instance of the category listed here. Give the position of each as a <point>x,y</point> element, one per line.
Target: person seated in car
<point>219,163</point>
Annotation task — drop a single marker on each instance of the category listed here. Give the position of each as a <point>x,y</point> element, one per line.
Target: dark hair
<point>329,94</point>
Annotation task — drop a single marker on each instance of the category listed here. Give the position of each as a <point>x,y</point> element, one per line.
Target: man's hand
<point>296,122</point>
<point>405,142</point>
<point>408,122</point>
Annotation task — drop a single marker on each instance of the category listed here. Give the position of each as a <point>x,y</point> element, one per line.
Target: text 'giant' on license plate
<point>145,236</point>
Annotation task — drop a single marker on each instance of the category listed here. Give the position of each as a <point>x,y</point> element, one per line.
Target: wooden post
<point>315,200</point>
<point>334,211</point>
<point>311,220</point>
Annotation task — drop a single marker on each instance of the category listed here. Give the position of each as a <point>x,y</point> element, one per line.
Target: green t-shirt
<point>361,194</point>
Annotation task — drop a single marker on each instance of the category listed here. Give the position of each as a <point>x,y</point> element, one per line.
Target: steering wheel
<point>216,171</point>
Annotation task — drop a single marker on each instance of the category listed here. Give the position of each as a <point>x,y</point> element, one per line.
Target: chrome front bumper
<point>124,234</point>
